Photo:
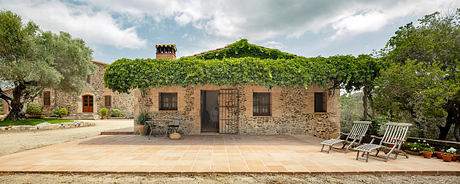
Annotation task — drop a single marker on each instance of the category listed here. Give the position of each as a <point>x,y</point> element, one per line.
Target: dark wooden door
<point>87,103</point>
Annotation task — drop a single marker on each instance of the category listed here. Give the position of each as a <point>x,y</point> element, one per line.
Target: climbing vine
<point>126,74</point>
<point>242,48</point>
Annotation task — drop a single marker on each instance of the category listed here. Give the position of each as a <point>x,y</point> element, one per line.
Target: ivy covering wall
<point>261,66</point>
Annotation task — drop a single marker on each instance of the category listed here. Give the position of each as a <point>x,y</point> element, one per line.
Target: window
<point>320,102</point>
<point>168,101</point>
<point>261,104</point>
<point>108,101</point>
<point>47,98</point>
<point>88,79</point>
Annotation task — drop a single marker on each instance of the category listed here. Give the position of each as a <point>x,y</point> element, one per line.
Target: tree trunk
<point>366,93</point>
<point>16,104</point>
<point>453,118</point>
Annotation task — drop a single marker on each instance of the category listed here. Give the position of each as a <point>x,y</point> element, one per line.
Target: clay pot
<point>427,154</point>
<point>416,153</point>
<point>438,154</point>
<point>454,157</point>
<point>447,158</point>
<point>141,129</point>
<point>104,117</point>
<point>174,136</point>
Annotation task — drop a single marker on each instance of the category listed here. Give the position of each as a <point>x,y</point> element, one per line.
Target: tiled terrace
<point>208,153</point>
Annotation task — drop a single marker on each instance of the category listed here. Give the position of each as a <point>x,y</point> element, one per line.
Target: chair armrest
<point>374,137</point>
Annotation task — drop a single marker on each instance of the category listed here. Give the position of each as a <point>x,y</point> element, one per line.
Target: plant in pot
<point>33,110</point>
<point>140,123</point>
<point>428,152</point>
<point>103,113</point>
<point>63,112</point>
<point>115,113</point>
<point>412,148</point>
<point>447,157</point>
<point>439,153</point>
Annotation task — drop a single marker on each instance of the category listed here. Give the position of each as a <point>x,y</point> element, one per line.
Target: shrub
<point>63,111</point>
<point>141,118</point>
<point>103,111</point>
<point>115,113</point>
<point>33,109</point>
<point>56,112</point>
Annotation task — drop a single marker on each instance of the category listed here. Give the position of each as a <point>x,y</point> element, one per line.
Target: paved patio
<point>208,153</point>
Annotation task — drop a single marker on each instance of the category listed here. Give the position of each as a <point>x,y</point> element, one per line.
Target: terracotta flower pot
<point>413,152</point>
<point>141,129</point>
<point>174,136</point>
<point>427,154</point>
<point>104,117</point>
<point>447,158</point>
<point>438,154</point>
<point>454,157</point>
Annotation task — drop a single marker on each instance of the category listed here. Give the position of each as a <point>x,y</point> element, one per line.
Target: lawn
<point>33,121</point>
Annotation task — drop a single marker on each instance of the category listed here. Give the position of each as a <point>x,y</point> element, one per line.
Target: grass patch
<point>33,121</point>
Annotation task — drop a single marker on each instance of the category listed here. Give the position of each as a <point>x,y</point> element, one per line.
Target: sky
<point>116,29</point>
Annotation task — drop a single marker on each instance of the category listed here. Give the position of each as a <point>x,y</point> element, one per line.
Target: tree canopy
<point>32,59</point>
<point>422,80</point>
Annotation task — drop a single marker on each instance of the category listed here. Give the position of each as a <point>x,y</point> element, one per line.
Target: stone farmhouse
<point>88,103</point>
<point>242,109</point>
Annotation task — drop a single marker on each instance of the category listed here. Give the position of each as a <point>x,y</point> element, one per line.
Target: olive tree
<point>32,59</point>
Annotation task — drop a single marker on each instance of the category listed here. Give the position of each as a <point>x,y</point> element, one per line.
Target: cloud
<point>95,27</point>
<point>266,19</point>
<point>101,21</point>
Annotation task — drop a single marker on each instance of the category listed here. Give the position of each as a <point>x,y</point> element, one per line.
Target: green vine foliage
<point>239,63</point>
<point>242,48</point>
<point>126,74</point>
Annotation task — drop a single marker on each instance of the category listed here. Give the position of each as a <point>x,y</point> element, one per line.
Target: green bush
<point>115,113</point>
<point>56,112</point>
<point>33,109</point>
<point>141,118</point>
<point>63,111</point>
<point>104,111</point>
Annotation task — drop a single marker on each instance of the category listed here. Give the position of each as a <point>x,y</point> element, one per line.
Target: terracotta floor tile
<point>222,153</point>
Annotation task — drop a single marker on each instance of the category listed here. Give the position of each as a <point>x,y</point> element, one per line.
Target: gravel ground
<point>12,142</point>
<point>221,178</point>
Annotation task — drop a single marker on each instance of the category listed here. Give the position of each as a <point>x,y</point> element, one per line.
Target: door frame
<point>203,99</point>
<point>89,106</point>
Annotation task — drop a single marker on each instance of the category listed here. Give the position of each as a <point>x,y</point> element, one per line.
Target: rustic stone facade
<point>73,102</point>
<point>292,110</point>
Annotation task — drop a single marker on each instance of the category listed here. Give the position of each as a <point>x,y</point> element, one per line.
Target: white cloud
<point>262,19</point>
<point>95,27</point>
<point>257,20</point>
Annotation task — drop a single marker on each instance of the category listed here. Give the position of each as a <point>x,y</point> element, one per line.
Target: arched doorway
<point>87,103</point>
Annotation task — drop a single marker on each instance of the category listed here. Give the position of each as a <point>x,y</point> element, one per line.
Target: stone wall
<point>73,102</point>
<point>292,110</point>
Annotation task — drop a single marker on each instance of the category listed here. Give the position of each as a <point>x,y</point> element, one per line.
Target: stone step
<point>83,116</point>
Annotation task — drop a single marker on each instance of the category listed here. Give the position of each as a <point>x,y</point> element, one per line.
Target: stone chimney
<point>166,51</point>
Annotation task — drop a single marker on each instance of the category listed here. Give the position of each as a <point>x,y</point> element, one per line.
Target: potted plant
<point>439,153</point>
<point>33,110</point>
<point>115,113</point>
<point>104,112</point>
<point>412,148</point>
<point>63,112</point>
<point>140,123</point>
<point>447,157</point>
<point>428,152</point>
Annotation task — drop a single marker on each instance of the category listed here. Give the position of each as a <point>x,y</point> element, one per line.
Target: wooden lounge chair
<point>353,138</point>
<point>391,142</point>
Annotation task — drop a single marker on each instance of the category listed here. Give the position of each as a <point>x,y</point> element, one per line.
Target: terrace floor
<point>209,153</point>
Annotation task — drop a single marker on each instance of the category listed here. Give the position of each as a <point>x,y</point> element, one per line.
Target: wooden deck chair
<point>354,137</point>
<point>391,142</point>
